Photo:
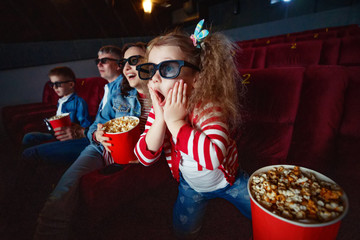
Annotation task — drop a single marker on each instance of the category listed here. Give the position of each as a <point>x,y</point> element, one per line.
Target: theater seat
<point>268,41</point>
<point>259,57</point>
<point>350,51</point>
<point>330,51</point>
<point>298,54</point>
<point>272,101</point>
<point>244,58</point>
<point>348,141</point>
<point>316,36</point>
<point>319,115</point>
<point>245,44</point>
<point>92,91</point>
<point>21,119</point>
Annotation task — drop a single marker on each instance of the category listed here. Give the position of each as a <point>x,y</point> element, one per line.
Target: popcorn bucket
<point>123,143</point>
<point>268,225</point>
<point>62,120</point>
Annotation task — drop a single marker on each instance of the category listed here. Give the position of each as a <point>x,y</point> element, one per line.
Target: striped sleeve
<point>208,142</point>
<point>145,156</point>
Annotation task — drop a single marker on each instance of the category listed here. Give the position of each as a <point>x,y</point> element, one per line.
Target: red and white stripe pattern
<point>206,140</point>
<point>145,109</point>
<point>108,160</point>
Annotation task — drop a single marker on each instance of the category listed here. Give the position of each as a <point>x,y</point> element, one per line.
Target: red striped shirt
<point>206,140</point>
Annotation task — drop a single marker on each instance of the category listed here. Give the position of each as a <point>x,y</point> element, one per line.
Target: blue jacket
<point>78,110</point>
<point>117,106</point>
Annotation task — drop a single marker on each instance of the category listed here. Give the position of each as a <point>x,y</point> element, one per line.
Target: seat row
<point>317,34</point>
<point>306,116</point>
<point>335,51</point>
<point>21,119</point>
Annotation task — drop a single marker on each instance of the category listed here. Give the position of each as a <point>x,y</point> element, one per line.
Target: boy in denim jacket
<point>62,80</point>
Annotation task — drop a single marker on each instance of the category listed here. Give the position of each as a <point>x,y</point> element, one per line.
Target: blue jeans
<point>59,152</point>
<point>35,138</point>
<point>190,205</point>
<point>55,217</point>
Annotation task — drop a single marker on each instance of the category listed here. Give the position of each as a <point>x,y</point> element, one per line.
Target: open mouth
<point>160,97</point>
<point>131,76</point>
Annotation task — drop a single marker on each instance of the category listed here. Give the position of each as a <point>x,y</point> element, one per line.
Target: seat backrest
<point>298,54</point>
<point>92,91</point>
<point>330,51</point>
<point>316,36</point>
<point>348,140</point>
<point>318,117</point>
<point>244,57</point>
<point>272,100</point>
<point>268,41</point>
<point>245,43</point>
<point>349,30</point>
<point>350,51</point>
<point>49,96</point>
<point>350,125</point>
<point>259,57</point>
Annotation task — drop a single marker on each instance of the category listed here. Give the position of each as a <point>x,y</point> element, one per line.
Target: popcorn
<point>57,117</point>
<point>121,124</point>
<point>297,195</point>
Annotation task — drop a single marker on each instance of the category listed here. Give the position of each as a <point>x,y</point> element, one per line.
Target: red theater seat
<point>316,35</point>
<point>268,41</point>
<point>21,119</point>
<point>245,44</point>
<point>244,57</point>
<point>318,117</point>
<point>259,57</point>
<point>273,97</point>
<point>330,51</point>
<point>350,51</point>
<point>299,54</point>
<point>349,30</point>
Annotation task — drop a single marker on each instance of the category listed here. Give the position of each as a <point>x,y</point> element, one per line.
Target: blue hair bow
<point>199,35</point>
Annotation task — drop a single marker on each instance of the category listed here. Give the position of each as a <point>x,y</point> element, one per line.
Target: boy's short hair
<point>64,72</point>
<point>111,49</point>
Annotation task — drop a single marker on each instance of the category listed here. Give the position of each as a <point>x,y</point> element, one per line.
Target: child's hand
<point>74,131</point>
<point>175,109</point>
<point>159,112</point>
<point>99,136</point>
<point>155,136</point>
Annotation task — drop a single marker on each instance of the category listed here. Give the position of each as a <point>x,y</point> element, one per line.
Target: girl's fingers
<point>184,97</point>
<point>175,92</point>
<point>180,91</point>
<point>169,97</point>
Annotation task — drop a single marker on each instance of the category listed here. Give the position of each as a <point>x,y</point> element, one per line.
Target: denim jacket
<point>78,110</point>
<point>117,105</point>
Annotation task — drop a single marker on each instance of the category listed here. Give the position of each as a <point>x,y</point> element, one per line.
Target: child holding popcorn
<point>192,88</point>
<point>62,81</point>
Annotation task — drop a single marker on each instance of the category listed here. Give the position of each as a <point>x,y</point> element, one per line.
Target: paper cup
<point>267,225</point>
<point>62,120</point>
<point>123,143</point>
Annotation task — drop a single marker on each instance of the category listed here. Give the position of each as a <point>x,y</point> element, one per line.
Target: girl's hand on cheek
<point>176,104</point>
<point>159,112</point>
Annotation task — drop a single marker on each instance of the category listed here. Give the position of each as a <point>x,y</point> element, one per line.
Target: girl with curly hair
<point>195,109</point>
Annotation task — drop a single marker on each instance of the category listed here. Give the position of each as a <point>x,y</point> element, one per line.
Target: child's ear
<point>72,84</point>
<point>119,68</point>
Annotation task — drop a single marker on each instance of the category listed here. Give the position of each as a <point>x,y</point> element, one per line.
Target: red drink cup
<point>267,225</point>
<point>62,120</point>
<point>123,143</point>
